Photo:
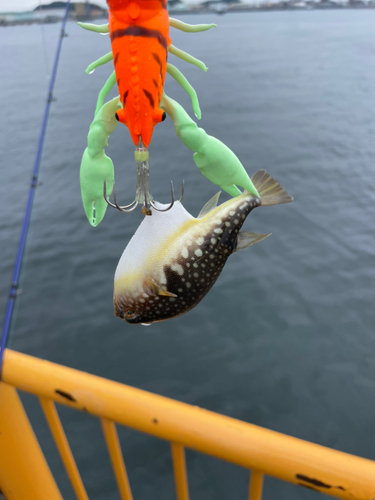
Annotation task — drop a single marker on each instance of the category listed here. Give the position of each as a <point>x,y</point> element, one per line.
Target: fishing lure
<point>139,32</point>
<point>96,166</point>
<point>173,259</point>
<point>97,172</point>
<point>213,158</point>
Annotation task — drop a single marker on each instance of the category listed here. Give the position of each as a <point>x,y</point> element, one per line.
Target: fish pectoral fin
<point>209,206</point>
<point>246,239</point>
<point>152,288</point>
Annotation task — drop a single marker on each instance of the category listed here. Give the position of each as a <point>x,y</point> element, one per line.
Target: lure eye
<point>122,116</point>
<point>159,116</point>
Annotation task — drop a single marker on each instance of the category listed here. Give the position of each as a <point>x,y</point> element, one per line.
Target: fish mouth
<point>138,320</point>
<point>133,320</point>
<point>137,317</point>
<point>126,313</point>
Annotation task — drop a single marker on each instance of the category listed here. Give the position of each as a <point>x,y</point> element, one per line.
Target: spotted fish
<point>173,259</point>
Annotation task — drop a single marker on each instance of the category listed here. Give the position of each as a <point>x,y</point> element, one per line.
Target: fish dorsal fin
<point>209,206</point>
<point>246,239</point>
<point>152,288</point>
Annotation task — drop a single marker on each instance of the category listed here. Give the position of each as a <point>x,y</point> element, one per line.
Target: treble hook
<point>172,194</point>
<point>132,206</point>
<point>142,193</point>
<point>126,208</point>
<point>165,209</point>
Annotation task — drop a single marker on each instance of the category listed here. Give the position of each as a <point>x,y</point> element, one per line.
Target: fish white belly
<point>149,249</point>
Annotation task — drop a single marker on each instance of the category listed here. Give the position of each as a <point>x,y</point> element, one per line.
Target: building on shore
<point>54,12</point>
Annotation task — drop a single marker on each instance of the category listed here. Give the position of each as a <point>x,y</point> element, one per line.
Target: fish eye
<point>129,314</point>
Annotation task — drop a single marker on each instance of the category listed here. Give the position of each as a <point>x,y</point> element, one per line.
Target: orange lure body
<point>139,31</point>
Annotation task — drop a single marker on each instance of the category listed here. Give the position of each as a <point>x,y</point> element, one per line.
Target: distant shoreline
<point>283,6</point>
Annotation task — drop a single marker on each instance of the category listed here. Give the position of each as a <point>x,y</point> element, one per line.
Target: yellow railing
<point>260,450</point>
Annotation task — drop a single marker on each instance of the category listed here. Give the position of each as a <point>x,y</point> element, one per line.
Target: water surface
<point>285,339</point>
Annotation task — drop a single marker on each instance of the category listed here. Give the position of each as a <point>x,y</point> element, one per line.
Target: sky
<point>21,5</point>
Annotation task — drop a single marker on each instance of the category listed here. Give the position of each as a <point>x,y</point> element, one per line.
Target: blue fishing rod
<point>34,181</point>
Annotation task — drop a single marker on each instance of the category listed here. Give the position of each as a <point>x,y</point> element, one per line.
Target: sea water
<point>285,339</point>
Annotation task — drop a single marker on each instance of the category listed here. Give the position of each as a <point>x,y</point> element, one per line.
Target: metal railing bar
<point>256,485</point>
<point>284,457</point>
<point>114,450</point>
<point>62,444</point>
<point>180,474</point>
<point>24,471</point>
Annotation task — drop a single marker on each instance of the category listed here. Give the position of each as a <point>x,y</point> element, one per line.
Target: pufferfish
<point>173,259</point>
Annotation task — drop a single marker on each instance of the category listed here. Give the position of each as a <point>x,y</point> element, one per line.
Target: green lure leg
<point>179,77</point>
<point>213,158</point>
<point>96,166</point>
<point>107,87</point>
<point>98,28</point>
<point>187,57</point>
<point>188,28</point>
<point>99,62</point>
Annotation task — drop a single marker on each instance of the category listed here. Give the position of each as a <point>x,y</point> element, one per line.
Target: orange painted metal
<point>62,444</point>
<point>24,472</point>
<point>180,474</point>
<point>114,449</point>
<point>300,462</point>
<point>256,485</point>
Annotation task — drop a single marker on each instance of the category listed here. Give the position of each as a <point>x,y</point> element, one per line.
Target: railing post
<point>24,472</point>
<point>62,444</point>
<point>114,450</point>
<point>180,475</point>
<point>256,485</point>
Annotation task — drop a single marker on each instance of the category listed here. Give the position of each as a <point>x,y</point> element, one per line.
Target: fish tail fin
<point>270,191</point>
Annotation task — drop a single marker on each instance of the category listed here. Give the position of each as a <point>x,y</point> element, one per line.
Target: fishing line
<point>34,181</point>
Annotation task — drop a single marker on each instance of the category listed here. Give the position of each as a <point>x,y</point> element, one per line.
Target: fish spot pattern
<point>190,282</point>
<point>178,268</point>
